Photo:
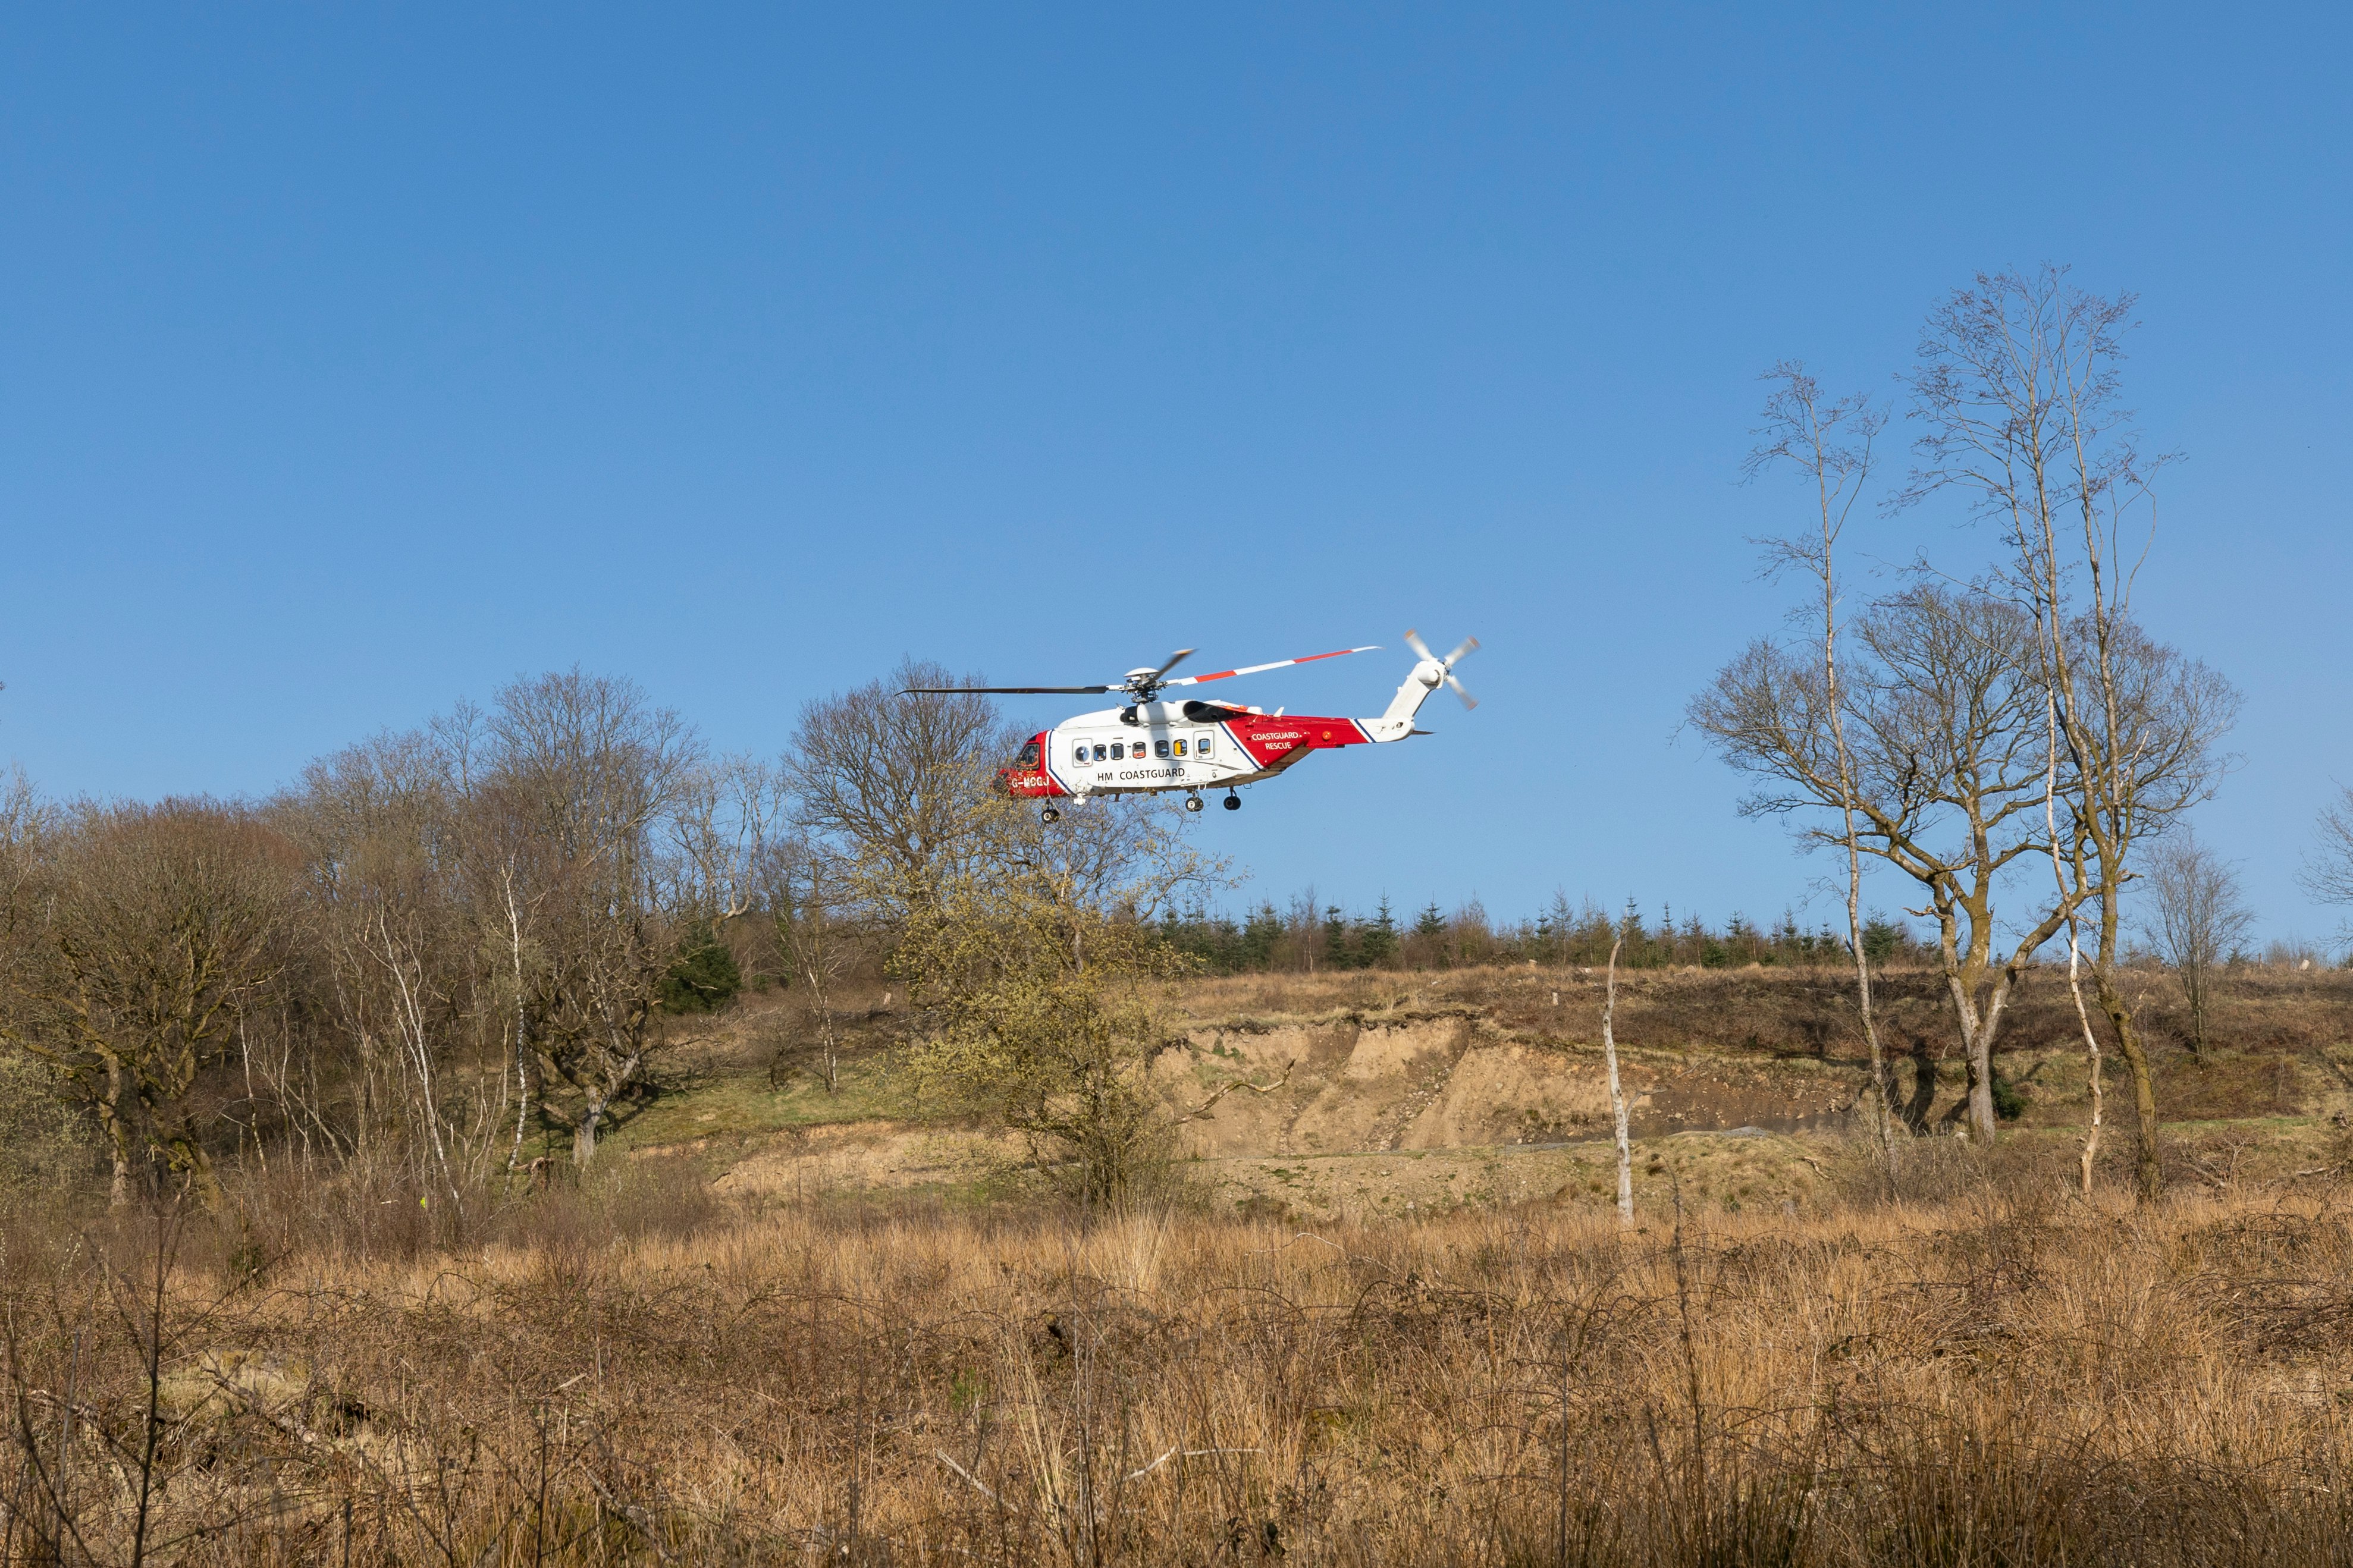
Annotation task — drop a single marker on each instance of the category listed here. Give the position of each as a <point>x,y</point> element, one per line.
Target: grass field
<point>1386,1315</point>
<point>636,1372</point>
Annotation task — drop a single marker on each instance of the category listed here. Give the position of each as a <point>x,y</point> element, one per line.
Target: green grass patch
<point>738,1103</point>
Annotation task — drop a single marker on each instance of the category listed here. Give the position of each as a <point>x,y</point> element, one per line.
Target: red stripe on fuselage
<point>1267,738</point>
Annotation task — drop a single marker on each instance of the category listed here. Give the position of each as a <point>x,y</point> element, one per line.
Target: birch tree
<point>385,912</point>
<point>1830,443</point>
<point>2019,394</point>
<point>1618,1090</point>
<point>811,932</point>
<point>1941,710</point>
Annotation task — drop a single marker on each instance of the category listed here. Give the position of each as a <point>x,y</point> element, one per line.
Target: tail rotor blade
<point>1420,648</point>
<point>1469,646</point>
<point>1467,701</point>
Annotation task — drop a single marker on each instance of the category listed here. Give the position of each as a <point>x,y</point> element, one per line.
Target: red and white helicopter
<point>1151,747</point>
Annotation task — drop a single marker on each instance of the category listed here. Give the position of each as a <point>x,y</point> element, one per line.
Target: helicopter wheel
<point>1192,803</point>
<point>1050,815</point>
<point>1233,801</point>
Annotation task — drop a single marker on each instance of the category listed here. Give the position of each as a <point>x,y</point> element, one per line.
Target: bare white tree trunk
<point>522,1026</point>
<point>2074,948</point>
<point>1617,1091</point>
<point>407,974</point>
<point>1881,1118</point>
<point>816,952</point>
<point>1831,442</point>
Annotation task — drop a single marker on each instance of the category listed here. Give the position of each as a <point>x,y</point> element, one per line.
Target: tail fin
<point>1397,723</point>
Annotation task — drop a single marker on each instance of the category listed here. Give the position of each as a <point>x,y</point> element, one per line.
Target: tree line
<point>442,957</point>
<point>1306,937</point>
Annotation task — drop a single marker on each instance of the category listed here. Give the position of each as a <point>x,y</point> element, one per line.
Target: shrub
<point>705,977</point>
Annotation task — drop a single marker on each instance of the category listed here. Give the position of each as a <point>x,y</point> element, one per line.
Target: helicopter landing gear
<point>1233,801</point>
<point>1192,803</point>
<point>1049,814</point>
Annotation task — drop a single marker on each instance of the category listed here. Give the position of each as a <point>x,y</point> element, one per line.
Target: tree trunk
<point>1981,1119</point>
<point>1618,1093</point>
<point>522,1028</point>
<point>198,1165</point>
<point>117,1137</point>
<point>522,1105</point>
<point>2148,1173</point>
<point>584,1143</point>
<point>1978,1028</point>
<point>1924,1089</point>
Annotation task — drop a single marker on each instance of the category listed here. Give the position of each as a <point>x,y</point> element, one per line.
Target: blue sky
<point>353,359</point>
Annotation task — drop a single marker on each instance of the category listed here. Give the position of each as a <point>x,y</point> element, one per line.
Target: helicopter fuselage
<point>1153,747</point>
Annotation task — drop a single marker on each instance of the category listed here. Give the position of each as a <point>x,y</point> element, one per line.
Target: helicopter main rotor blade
<point>1278,664</point>
<point>1179,656</point>
<point>1013,690</point>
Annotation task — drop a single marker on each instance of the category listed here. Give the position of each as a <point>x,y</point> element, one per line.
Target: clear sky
<point>356,358</point>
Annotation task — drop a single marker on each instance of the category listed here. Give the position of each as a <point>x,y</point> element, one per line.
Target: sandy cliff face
<point>1364,1113</point>
<point>1450,1083</point>
<point>1425,1083</point>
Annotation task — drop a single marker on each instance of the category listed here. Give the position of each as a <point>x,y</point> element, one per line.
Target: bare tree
<point>2329,868</point>
<point>2018,391</point>
<point>1830,442</point>
<point>594,773</point>
<point>810,924</point>
<point>154,930</point>
<point>2093,1077</point>
<point>727,814</point>
<point>2195,919</point>
<point>901,787</point>
<point>898,791</point>
<point>1943,716</point>
<point>379,825</point>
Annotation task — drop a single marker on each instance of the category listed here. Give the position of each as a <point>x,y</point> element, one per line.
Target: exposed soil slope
<point>1379,1092</point>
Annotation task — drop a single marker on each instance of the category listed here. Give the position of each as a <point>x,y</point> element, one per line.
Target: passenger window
<point>1201,747</point>
<point>1079,752</point>
<point>1099,754</point>
<point>1160,748</point>
<point>1118,751</point>
<point>1180,748</point>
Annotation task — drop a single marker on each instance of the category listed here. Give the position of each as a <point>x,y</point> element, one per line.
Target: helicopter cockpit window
<point>1027,757</point>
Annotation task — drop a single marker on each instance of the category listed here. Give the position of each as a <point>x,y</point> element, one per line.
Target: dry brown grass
<point>2002,1376</point>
